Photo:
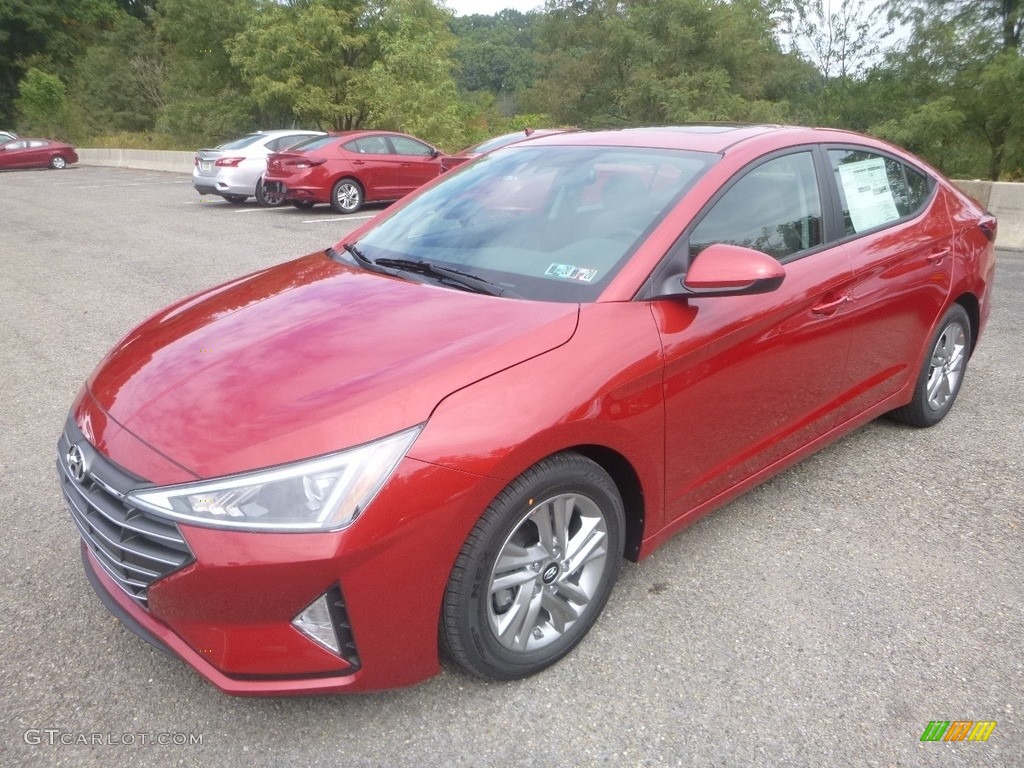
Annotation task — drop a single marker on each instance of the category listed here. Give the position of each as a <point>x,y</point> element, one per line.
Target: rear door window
<point>369,145</point>
<point>876,190</point>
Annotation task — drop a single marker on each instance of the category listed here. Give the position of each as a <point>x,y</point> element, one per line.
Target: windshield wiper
<point>463,279</point>
<point>359,258</point>
<point>418,267</point>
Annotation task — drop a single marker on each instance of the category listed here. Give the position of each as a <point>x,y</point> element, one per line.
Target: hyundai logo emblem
<point>550,573</point>
<point>76,463</point>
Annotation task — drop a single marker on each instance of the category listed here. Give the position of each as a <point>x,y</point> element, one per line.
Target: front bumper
<point>228,614</point>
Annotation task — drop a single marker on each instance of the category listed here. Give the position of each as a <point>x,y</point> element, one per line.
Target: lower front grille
<point>134,547</point>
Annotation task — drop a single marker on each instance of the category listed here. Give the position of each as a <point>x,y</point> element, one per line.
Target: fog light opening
<point>325,621</point>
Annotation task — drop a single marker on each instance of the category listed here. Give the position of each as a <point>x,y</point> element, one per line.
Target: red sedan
<point>444,434</point>
<point>351,168</point>
<point>496,142</point>
<point>36,153</point>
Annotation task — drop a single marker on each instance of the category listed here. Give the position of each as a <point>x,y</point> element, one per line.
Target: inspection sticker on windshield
<point>569,272</point>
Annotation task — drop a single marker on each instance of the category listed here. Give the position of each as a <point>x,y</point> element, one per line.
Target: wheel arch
<point>627,481</point>
<point>973,308</point>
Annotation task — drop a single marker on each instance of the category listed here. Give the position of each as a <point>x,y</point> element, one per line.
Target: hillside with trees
<point>944,78</point>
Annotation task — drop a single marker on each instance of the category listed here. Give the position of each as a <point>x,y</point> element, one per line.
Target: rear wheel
<point>536,571</point>
<point>236,199</point>
<point>347,196</point>
<point>266,198</point>
<point>940,378</point>
<point>58,163</point>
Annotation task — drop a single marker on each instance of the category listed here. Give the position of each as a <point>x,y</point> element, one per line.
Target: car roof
<point>290,131</point>
<point>708,137</point>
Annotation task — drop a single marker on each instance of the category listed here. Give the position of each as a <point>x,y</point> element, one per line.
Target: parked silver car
<point>235,170</point>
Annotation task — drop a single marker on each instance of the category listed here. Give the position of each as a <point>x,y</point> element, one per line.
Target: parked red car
<point>36,153</point>
<point>351,168</point>
<point>495,142</point>
<point>445,432</point>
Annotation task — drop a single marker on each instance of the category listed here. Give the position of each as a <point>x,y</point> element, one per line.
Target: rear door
<point>376,165</point>
<point>418,163</point>
<point>896,229</point>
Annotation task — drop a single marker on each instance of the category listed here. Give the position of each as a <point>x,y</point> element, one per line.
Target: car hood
<point>307,358</point>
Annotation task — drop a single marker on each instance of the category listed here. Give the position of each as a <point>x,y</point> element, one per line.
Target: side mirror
<point>729,270</point>
<point>436,153</point>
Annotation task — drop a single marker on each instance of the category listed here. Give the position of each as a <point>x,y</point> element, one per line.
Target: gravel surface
<point>821,620</point>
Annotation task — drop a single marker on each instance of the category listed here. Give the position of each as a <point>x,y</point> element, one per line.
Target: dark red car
<point>36,153</point>
<point>351,168</point>
<point>496,142</point>
<point>444,433</point>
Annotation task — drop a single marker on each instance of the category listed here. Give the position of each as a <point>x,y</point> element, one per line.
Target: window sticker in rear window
<point>569,272</point>
<point>869,197</point>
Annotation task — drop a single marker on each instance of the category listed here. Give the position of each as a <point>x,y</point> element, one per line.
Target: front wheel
<point>347,196</point>
<point>940,378</point>
<point>58,163</point>
<point>536,571</point>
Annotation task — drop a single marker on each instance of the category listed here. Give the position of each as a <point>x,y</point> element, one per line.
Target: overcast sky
<point>491,7</point>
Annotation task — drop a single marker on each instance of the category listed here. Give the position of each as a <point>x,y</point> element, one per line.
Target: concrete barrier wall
<point>1004,200</point>
<point>142,159</point>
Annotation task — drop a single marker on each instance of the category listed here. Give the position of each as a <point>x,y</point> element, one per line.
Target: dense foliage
<point>942,77</point>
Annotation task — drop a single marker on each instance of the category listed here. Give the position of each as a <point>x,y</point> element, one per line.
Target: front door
<point>751,379</point>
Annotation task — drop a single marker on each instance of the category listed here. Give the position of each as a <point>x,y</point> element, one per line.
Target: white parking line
<point>337,220</point>
<point>250,210</point>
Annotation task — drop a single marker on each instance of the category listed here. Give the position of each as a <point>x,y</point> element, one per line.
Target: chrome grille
<point>134,547</point>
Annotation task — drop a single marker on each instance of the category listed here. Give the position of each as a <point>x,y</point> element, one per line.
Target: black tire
<point>303,205</point>
<point>942,372</point>
<point>346,196</point>
<point>510,623</point>
<point>236,199</point>
<point>58,163</point>
<point>268,199</point>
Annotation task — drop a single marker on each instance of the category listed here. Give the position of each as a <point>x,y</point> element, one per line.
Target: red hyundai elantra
<point>444,433</point>
<point>351,168</point>
<point>36,153</point>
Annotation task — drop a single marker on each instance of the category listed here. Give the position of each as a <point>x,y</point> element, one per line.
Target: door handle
<point>358,162</point>
<point>830,307</point>
<point>938,256</point>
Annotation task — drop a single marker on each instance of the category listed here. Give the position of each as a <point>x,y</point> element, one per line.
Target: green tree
<point>655,61</point>
<point>299,60</point>
<point>119,82</point>
<point>496,53</point>
<point>47,35</point>
<point>206,99</point>
<point>338,64</point>
<point>968,51</point>
<point>410,86</point>
<point>43,103</point>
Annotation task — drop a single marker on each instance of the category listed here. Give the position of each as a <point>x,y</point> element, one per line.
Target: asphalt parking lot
<point>821,620</point>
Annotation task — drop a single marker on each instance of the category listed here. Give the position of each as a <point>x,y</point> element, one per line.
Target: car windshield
<point>243,142</point>
<point>542,222</point>
<point>314,143</point>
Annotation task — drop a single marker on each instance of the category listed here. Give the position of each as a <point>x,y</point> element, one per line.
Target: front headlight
<point>320,494</point>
